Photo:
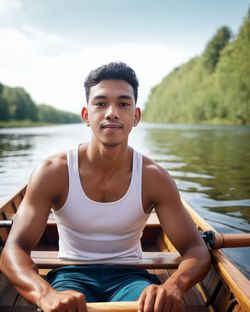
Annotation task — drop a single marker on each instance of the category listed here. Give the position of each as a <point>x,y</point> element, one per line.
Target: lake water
<point>210,164</point>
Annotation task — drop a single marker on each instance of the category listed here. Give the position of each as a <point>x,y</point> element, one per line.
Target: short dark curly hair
<point>114,70</point>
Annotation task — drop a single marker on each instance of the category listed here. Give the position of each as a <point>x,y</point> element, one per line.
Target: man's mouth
<point>111,125</point>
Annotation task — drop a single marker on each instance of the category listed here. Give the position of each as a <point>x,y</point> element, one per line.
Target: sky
<point>49,46</point>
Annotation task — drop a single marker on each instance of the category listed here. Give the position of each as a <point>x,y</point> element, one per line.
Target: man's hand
<point>161,298</point>
<point>63,301</point>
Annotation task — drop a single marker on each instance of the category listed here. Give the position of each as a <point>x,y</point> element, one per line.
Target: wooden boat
<point>224,288</point>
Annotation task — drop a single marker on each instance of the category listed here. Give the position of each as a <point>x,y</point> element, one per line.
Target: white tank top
<point>101,232</point>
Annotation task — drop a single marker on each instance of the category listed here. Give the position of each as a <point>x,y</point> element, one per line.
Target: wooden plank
<point>8,294</point>
<point>150,260</point>
<point>236,281</point>
<point>21,301</point>
<point>19,309</point>
<point>16,199</point>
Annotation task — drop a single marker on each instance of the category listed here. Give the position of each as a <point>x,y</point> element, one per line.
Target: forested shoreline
<point>18,109</point>
<point>211,88</point>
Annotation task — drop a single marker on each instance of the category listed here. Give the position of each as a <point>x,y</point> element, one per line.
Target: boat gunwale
<point>224,265</point>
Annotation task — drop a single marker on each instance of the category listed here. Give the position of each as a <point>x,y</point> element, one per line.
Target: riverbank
<point>24,124</point>
<point>211,122</point>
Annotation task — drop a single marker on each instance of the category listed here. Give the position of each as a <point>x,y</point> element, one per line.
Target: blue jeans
<point>101,282</point>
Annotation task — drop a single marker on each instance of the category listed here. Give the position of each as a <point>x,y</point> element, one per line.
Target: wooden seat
<point>150,260</point>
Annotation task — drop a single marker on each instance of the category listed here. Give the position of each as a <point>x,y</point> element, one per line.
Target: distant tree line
<point>214,87</point>
<point>17,105</point>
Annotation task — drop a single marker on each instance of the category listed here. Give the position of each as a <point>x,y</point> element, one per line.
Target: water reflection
<point>212,170</point>
<point>13,143</point>
<point>211,160</point>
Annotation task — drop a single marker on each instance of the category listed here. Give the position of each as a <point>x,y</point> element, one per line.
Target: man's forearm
<point>193,268</point>
<point>17,265</point>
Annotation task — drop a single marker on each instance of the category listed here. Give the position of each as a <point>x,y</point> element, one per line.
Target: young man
<point>102,193</point>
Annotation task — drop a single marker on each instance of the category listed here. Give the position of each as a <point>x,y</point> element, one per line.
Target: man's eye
<point>124,105</point>
<point>100,104</point>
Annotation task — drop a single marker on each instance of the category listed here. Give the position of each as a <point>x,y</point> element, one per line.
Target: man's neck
<point>106,158</point>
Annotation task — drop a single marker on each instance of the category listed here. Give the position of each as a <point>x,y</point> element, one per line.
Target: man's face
<point>111,111</point>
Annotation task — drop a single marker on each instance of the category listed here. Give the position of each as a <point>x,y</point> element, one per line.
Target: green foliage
<point>20,104</point>
<point>49,114</point>
<point>211,54</point>
<point>17,107</point>
<point>233,77</point>
<point>214,87</point>
<point>4,107</point>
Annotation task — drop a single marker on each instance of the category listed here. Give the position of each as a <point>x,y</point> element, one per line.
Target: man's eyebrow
<point>99,97</point>
<point>125,97</point>
<point>103,97</point>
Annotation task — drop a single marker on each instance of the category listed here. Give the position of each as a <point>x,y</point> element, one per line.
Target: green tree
<point>20,104</point>
<point>49,114</point>
<point>233,77</point>
<point>213,87</point>
<point>4,107</point>
<point>211,55</point>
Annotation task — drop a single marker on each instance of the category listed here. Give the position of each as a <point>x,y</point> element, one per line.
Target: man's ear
<point>85,116</point>
<point>137,116</point>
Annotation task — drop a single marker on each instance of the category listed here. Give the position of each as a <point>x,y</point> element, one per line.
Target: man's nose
<point>112,113</point>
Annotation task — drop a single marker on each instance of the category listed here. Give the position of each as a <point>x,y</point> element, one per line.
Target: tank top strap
<point>72,161</point>
<point>136,178</point>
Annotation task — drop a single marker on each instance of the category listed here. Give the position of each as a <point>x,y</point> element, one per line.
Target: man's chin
<point>111,144</point>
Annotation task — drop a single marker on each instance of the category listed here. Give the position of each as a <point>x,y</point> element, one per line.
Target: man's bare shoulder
<point>153,170</point>
<point>158,185</point>
<point>50,177</point>
<point>54,165</point>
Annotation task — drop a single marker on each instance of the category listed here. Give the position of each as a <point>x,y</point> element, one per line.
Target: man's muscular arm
<point>180,229</point>
<point>44,186</point>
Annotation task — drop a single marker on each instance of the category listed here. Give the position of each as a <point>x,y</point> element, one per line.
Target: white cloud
<point>36,61</point>
<point>8,5</point>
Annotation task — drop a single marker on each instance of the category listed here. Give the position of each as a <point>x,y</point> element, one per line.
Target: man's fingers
<point>160,301</point>
<point>64,301</point>
<point>149,300</point>
<point>141,301</point>
<point>81,303</point>
<point>79,300</point>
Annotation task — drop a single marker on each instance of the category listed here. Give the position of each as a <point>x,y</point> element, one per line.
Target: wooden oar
<point>217,240</point>
<point>231,240</point>
<point>125,306</point>
<point>100,307</point>
<point>121,306</point>
<point>112,306</point>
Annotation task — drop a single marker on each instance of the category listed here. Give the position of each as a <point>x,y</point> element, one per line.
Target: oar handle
<point>130,306</point>
<point>121,306</point>
<point>231,240</point>
<point>217,240</point>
